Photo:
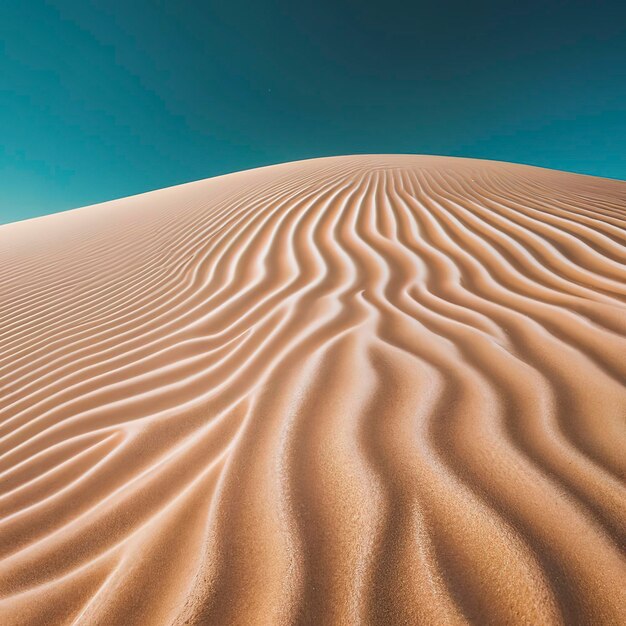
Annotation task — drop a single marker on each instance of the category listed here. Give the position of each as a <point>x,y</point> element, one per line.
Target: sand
<point>353,390</point>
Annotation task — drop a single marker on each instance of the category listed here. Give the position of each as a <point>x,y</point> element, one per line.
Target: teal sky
<point>100,100</point>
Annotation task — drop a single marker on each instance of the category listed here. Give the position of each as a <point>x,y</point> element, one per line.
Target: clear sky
<point>100,100</point>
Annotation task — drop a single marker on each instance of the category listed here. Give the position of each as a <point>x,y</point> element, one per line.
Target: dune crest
<point>372,389</point>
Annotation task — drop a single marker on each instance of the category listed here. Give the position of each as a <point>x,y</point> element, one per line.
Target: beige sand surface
<point>355,390</point>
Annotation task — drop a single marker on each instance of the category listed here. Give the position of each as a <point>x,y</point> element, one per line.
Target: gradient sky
<point>100,100</point>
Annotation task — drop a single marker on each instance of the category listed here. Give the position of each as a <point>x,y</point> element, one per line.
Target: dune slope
<point>374,389</point>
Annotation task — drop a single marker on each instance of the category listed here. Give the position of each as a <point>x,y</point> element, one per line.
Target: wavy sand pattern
<point>376,390</point>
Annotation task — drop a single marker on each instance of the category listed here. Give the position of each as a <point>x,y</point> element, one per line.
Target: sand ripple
<point>375,390</point>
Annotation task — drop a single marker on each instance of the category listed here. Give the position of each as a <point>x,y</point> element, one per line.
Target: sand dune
<point>355,390</point>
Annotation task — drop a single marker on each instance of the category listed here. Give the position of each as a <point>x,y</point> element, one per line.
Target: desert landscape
<point>351,390</point>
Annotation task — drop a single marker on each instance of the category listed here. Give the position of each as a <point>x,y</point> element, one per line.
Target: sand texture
<point>353,390</point>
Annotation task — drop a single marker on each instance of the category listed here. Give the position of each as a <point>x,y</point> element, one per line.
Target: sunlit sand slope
<point>356,390</point>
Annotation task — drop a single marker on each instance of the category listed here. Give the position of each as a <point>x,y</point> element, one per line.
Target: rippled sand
<point>355,390</point>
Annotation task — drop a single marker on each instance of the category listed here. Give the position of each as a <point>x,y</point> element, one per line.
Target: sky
<point>101,100</point>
